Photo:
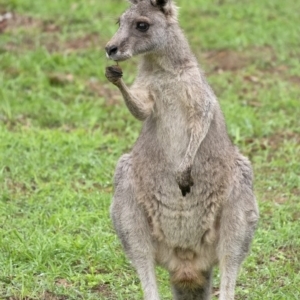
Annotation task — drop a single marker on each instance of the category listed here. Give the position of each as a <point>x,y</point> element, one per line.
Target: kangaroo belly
<point>180,228</point>
<point>187,267</point>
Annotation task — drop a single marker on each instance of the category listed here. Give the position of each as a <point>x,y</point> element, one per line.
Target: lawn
<point>63,128</point>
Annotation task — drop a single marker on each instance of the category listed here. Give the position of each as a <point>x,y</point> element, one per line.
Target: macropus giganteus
<point>183,195</point>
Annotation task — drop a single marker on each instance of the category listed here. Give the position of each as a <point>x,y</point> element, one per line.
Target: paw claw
<point>185,181</point>
<point>185,190</point>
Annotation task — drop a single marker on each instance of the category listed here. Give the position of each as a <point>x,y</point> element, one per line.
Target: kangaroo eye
<point>142,26</point>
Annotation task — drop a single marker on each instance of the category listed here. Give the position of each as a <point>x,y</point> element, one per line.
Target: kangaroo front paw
<point>185,181</point>
<point>113,74</point>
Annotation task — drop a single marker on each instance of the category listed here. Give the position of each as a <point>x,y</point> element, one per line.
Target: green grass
<point>63,127</point>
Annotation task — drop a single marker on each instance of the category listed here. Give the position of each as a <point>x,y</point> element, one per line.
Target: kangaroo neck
<point>173,57</point>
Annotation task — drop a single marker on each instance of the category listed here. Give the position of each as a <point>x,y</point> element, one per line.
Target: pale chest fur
<point>169,116</point>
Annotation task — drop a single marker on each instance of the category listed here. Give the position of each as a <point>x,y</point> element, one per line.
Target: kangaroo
<point>183,196</point>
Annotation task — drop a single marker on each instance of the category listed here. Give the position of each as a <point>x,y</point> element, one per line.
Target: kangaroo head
<point>142,29</point>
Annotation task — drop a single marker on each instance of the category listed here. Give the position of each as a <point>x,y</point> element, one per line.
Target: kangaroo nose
<point>111,50</point>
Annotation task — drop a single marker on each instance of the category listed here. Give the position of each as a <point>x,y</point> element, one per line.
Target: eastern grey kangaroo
<point>183,196</point>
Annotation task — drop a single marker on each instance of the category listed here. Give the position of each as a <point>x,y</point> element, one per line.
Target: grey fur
<point>183,196</point>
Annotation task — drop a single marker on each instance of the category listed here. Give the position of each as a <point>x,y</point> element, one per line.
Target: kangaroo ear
<point>133,1</point>
<point>160,3</point>
<point>166,6</point>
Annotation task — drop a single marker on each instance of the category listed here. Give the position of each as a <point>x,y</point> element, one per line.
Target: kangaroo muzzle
<point>111,50</point>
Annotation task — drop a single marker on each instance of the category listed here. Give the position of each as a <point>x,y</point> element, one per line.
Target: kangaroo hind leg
<point>238,223</point>
<point>132,228</point>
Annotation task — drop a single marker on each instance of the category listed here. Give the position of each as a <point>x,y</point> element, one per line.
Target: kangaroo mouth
<point>119,56</point>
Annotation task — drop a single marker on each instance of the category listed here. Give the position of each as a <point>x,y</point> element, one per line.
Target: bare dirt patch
<point>13,123</point>
<point>285,253</point>
<point>264,58</point>
<point>11,21</point>
<point>278,195</point>
<point>52,44</point>
<point>87,41</point>
<point>226,60</point>
<point>15,187</point>
<point>63,282</point>
<point>111,96</point>
<point>103,290</point>
<point>90,40</point>
<point>49,26</point>
<point>45,296</point>
<point>51,296</point>
<point>295,80</point>
<point>93,86</point>
<point>59,79</point>
<point>50,41</point>
<point>4,19</point>
<point>265,53</point>
<point>48,35</point>
<point>276,140</point>
<point>271,143</point>
<point>16,21</point>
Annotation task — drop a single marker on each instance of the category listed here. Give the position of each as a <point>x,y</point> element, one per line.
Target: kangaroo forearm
<point>196,139</point>
<point>139,106</point>
<point>199,128</point>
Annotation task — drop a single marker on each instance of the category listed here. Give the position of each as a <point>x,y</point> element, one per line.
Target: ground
<point>63,127</point>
